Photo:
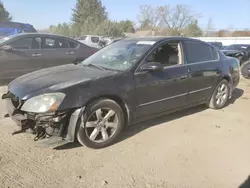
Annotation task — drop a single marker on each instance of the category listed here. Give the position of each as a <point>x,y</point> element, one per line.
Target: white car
<point>90,40</point>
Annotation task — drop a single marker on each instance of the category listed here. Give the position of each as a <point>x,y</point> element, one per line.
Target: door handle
<point>36,55</point>
<point>70,53</point>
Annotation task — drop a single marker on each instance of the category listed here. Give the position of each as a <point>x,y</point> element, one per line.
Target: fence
<point>226,40</point>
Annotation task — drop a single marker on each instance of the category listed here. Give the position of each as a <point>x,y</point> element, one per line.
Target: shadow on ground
<point>137,128</point>
<point>68,146</point>
<point>237,93</point>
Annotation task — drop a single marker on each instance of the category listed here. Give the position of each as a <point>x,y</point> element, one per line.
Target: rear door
<point>204,69</point>
<point>24,58</point>
<point>57,51</point>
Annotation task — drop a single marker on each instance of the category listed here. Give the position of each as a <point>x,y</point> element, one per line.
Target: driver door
<point>165,90</point>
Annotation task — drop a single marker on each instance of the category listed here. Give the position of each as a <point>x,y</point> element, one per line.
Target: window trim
<point>200,62</point>
<point>34,37</point>
<point>138,71</point>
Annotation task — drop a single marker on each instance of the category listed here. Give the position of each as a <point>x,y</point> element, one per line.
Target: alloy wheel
<point>101,125</point>
<point>222,94</point>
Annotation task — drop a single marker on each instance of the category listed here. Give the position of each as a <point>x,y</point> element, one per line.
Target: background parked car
<point>90,40</point>
<point>24,53</point>
<point>109,40</point>
<point>244,48</point>
<point>219,45</point>
<point>11,28</point>
<point>242,53</point>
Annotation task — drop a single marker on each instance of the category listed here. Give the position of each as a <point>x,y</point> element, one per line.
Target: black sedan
<point>124,83</point>
<point>240,51</point>
<point>24,53</point>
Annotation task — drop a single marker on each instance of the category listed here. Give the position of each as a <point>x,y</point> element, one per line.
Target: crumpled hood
<point>53,79</point>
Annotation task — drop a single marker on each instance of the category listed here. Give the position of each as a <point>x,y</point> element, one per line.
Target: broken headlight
<point>48,102</point>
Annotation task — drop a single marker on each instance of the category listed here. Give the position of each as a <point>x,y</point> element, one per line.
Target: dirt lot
<point>194,148</point>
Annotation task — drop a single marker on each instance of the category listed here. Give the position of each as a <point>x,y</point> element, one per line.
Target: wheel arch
<point>229,80</point>
<point>121,102</point>
<point>226,77</point>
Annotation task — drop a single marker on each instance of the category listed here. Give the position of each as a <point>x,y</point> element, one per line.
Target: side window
<point>62,43</point>
<point>199,52</point>
<point>168,54</point>
<point>82,38</point>
<point>23,43</point>
<point>36,43</point>
<point>49,43</point>
<point>95,39</point>
<point>72,44</point>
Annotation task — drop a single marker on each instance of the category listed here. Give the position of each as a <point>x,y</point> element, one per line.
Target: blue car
<point>12,28</point>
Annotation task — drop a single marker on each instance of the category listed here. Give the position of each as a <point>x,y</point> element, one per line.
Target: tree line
<point>91,17</point>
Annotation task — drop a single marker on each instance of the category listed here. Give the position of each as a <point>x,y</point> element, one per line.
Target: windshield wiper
<point>96,66</point>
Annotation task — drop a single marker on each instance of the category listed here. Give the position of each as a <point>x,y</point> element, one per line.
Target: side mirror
<point>7,48</point>
<point>152,67</point>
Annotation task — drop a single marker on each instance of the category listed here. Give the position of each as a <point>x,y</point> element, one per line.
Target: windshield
<point>120,55</point>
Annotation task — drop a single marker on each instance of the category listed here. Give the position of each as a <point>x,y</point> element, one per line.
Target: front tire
<point>245,69</point>
<point>101,124</point>
<point>220,95</point>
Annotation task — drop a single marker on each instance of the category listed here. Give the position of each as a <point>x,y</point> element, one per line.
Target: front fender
<point>71,129</point>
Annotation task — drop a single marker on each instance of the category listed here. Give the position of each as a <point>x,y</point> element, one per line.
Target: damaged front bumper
<point>45,125</point>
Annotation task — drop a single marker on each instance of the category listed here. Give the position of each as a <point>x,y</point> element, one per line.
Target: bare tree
<point>176,18</point>
<point>209,28</point>
<point>147,17</point>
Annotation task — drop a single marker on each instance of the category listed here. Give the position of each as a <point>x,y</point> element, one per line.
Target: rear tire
<point>101,124</point>
<point>245,69</point>
<point>220,95</point>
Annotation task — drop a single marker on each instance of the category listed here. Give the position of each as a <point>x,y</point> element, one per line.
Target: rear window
<point>49,43</point>
<point>62,43</point>
<point>95,39</point>
<point>72,44</point>
<point>82,37</point>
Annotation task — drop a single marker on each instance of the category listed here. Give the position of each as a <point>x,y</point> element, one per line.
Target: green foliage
<point>62,29</point>
<point>87,14</point>
<point>90,17</point>
<point>193,29</point>
<point>4,14</point>
<point>126,26</point>
<point>108,29</point>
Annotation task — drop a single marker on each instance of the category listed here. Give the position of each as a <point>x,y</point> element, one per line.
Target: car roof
<point>39,34</point>
<point>162,38</point>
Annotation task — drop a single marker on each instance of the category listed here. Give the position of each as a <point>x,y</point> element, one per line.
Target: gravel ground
<point>194,148</point>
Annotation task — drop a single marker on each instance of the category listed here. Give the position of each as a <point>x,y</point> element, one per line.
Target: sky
<point>41,14</point>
